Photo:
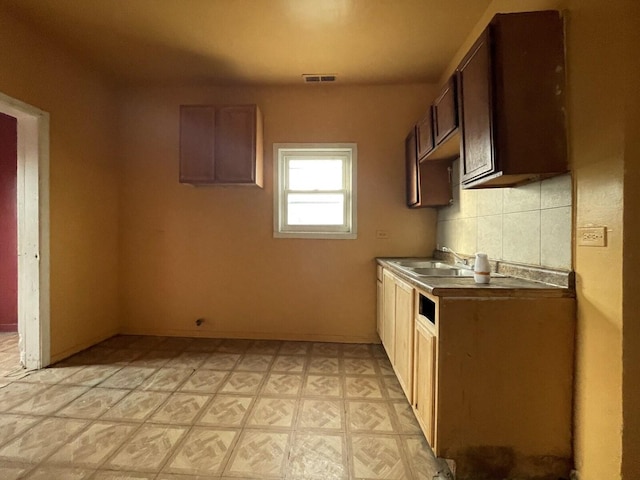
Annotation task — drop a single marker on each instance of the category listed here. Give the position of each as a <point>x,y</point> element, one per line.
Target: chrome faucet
<point>461,259</point>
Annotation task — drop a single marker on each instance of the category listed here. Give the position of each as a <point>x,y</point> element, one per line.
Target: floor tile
<point>421,458</point>
<point>148,448</point>
<point>363,387</point>
<point>326,349</point>
<point>136,406</point>
<point>327,365</point>
<point>294,348</point>
<point>91,375</point>
<point>321,457</point>
<point>358,350</point>
<point>93,446</point>
<point>226,411</point>
<point>204,381</point>
<point>242,382</point>
<point>208,345</point>
<point>377,457</point>
<point>359,366</point>
<point>264,346</point>
<point>180,408</point>
<point>39,441</point>
<point>323,386</point>
<point>49,400</point>
<point>203,409</point>
<point>13,471</point>
<point>369,416</point>
<point>49,472</point>
<point>204,452</point>
<point>322,414</point>
<point>166,379</point>
<point>254,362</point>
<point>260,454</point>
<point>17,393</point>
<point>111,475</point>
<point>11,425</point>
<point>221,361</point>
<point>128,377</point>
<point>154,359</point>
<point>272,412</point>
<point>188,360</point>
<point>93,403</point>
<point>289,364</point>
<point>406,417</point>
<point>283,384</point>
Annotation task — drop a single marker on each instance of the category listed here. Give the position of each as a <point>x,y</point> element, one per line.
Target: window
<point>315,190</point>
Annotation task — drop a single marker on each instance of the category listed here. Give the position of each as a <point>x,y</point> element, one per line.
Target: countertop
<point>506,286</point>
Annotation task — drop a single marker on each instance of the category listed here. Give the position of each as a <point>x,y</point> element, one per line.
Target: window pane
<point>315,209</point>
<point>315,174</point>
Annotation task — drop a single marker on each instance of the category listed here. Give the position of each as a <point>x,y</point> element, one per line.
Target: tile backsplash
<point>529,224</point>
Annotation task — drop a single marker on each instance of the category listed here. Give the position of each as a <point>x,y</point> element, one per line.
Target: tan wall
<point>597,149</point>
<point>83,183</point>
<point>209,252</point>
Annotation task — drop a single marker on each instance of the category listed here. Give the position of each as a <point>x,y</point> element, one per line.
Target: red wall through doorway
<point>8,224</point>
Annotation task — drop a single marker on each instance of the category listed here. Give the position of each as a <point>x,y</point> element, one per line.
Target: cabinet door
<point>476,109</point>
<point>413,176</point>
<point>235,148</point>
<point>404,337</point>
<point>425,134</point>
<point>424,398</point>
<point>445,112</point>
<point>389,313</point>
<point>380,312</point>
<point>197,134</point>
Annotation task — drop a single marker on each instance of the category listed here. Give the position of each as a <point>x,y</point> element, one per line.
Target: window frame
<point>282,153</point>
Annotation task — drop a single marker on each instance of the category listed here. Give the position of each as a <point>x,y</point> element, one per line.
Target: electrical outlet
<point>592,236</point>
<point>382,234</point>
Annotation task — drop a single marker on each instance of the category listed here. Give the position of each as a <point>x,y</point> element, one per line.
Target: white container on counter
<point>482,268</point>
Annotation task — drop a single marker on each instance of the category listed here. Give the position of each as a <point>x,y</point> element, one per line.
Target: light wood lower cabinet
<point>490,379</point>
<point>398,328</point>
<point>425,377</point>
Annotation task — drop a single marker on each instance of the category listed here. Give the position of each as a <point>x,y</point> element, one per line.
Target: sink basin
<point>423,264</point>
<point>441,272</point>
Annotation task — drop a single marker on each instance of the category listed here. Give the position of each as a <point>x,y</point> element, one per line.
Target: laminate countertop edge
<point>499,287</point>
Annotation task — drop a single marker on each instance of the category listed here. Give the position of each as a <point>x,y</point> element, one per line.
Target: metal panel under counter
<point>464,286</point>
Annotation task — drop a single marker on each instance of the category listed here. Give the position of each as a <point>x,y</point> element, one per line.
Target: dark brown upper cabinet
<point>512,102</point>
<point>445,112</point>
<point>425,135</point>
<point>221,145</point>
<point>428,182</point>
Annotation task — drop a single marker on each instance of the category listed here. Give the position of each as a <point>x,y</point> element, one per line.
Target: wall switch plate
<point>592,236</point>
<point>382,234</point>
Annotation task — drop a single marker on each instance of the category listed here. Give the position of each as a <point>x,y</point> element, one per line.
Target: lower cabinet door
<point>424,398</point>
<point>404,337</point>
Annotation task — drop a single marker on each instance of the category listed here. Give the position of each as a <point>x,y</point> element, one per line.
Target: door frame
<point>34,313</point>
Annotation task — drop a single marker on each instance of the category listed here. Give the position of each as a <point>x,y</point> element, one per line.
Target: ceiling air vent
<point>318,78</point>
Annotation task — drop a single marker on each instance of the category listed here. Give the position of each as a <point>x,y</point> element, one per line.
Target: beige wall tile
<point>555,240</point>
<point>522,199</point>
<point>556,192</point>
<point>490,235</point>
<point>490,201</point>
<point>521,237</point>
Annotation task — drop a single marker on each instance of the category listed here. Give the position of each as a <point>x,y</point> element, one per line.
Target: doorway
<point>32,233</point>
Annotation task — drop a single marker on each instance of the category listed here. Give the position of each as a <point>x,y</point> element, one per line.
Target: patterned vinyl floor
<point>170,408</point>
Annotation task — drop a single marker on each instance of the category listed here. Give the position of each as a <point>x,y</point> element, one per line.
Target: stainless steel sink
<point>411,264</point>
<point>441,272</point>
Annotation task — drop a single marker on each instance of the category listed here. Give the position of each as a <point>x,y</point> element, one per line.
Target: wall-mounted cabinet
<point>221,145</point>
<point>428,182</point>
<point>430,149</point>
<point>512,102</point>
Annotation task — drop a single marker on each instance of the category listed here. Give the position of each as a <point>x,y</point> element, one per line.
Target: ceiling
<point>269,42</point>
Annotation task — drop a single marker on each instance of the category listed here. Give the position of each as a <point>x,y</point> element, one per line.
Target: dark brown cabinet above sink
<point>512,109</point>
